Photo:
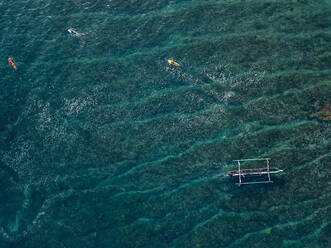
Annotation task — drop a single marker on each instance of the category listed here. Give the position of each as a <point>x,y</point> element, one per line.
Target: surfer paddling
<point>74,32</point>
<point>11,62</point>
<point>172,62</point>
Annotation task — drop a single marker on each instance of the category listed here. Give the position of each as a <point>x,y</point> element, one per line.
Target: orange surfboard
<point>11,62</point>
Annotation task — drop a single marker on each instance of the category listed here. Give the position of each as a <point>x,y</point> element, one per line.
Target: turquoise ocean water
<point>104,144</point>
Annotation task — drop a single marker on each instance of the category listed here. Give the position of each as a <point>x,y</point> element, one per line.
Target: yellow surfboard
<point>171,62</point>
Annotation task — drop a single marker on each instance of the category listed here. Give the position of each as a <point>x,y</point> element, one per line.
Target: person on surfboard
<point>172,62</point>
<point>74,32</point>
<point>11,62</point>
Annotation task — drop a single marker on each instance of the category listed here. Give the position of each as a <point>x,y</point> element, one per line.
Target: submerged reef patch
<point>323,111</point>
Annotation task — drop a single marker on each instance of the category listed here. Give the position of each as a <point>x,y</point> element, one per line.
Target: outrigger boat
<point>253,172</point>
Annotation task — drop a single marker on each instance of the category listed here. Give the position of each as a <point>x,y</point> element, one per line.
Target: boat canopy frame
<point>241,172</point>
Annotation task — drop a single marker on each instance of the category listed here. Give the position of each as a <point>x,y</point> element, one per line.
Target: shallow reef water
<point>104,144</point>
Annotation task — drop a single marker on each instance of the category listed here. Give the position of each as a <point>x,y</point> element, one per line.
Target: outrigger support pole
<point>268,169</point>
<point>239,172</point>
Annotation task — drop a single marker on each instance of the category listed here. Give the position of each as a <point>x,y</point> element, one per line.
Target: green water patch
<point>103,143</point>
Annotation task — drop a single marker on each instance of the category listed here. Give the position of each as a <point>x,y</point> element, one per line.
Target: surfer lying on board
<point>73,32</point>
<point>11,62</point>
<point>172,62</point>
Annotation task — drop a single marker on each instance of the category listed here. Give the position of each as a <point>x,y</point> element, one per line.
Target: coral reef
<point>324,111</point>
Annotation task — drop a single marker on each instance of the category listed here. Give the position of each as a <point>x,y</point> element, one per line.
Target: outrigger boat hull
<point>260,171</point>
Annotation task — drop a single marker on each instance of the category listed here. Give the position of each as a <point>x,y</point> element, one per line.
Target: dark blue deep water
<point>103,144</point>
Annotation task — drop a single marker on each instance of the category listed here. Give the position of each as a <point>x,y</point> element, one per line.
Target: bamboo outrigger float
<point>253,172</point>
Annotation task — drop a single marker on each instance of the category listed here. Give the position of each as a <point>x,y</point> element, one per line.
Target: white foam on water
<point>18,154</point>
<point>44,116</point>
<point>251,79</point>
<point>84,4</point>
<point>75,106</point>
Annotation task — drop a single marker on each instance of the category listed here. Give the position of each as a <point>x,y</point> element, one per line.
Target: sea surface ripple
<point>104,144</point>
